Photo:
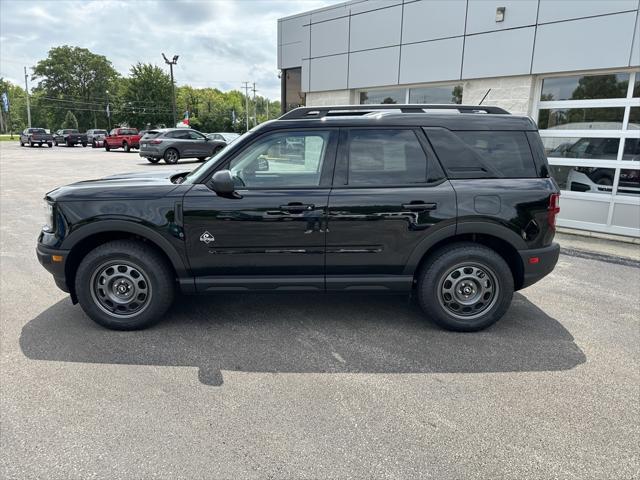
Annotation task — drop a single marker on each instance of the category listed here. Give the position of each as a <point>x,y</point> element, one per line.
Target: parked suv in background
<point>172,144</point>
<point>455,208</point>
<point>96,137</point>
<point>36,136</point>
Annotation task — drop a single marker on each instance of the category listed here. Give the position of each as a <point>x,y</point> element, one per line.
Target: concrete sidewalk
<point>625,251</point>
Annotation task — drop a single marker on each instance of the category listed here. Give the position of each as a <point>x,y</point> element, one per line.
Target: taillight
<point>155,142</point>
<point>554,209</point>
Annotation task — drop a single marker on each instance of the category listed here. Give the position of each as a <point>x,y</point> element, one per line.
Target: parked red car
<point>125,138</point>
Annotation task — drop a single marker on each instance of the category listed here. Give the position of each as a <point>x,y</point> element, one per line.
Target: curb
<point>628,262</point>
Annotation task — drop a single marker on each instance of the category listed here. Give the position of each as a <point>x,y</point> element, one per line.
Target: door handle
<point>418,206</point>
<point>297,207</point>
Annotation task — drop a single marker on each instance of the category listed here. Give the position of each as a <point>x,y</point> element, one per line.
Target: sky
<point>221,43</point>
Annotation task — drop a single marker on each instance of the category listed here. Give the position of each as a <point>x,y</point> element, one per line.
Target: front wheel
<point>152,160</point>
<point>84,144</point>
<point>202,159</point>
<point>107,147</point>
<point>30,143</point>
<point>49,144</point>
<point>124,285</point>
<point>55,142</point>
<point>465,287</point>
<point>126,147</point>
<point>171,156</point>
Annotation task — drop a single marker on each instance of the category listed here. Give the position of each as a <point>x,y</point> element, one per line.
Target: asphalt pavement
<point>302,386</point>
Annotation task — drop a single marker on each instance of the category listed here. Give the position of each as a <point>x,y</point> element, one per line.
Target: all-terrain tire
<point>482,273</point>
<point>131,261</point>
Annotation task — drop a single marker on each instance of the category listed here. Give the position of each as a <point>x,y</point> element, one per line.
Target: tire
<point>171,156</point>
<point>202,159</point>
<point>21,144</point>
<point>55,142</point>
<point>217,150</point>
<point>69,144</point>
<point>93,144</point>
<point>31,144</point>
<point>482,289</point>
<point>49,144</point>
<point>126,147</point>
<point>152,160</point>
<point>106,147</point>
<point>124,264</point>
<point>84,144</point>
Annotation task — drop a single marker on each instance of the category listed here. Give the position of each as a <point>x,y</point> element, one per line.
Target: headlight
<point>47,225</point>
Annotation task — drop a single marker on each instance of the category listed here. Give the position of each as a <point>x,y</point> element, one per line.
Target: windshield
<point>199,172</point>
<point>70,131</point>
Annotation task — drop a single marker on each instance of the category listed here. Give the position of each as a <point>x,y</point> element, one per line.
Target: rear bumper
<point>57,269</point>
<point>535,270</point>
<point>150,152</point>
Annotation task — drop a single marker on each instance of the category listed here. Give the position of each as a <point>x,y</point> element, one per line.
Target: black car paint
<point>356,238</point>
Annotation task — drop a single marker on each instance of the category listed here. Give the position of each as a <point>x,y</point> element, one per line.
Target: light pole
<point>108,111</point>
<point>173,89</point>
<point>26,89</point>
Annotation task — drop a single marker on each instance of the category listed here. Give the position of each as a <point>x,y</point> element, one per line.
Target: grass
<point>7,138</point>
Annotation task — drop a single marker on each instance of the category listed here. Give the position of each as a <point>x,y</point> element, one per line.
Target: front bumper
<point>55,268</point>
<point>538,263</point>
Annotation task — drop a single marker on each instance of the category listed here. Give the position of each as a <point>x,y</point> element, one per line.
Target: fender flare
<point>113,225</point>
<point>450,231</point>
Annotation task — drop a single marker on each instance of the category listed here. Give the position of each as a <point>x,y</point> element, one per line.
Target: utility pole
<point>26,89</point>
<point>255,106</point>
<point>246,103</point>
<point>267,109</point>
<point>173,88</point>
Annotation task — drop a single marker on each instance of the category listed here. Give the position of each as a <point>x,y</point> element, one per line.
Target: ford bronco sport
<point>452,204</point>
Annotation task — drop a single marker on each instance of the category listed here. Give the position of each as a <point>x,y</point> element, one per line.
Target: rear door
<point>389,194</point>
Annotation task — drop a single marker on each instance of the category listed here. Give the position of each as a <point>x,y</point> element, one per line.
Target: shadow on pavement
<point>305,333</point>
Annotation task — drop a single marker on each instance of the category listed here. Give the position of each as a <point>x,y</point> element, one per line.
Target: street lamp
<point>108,110</point>
<point>171,63</point>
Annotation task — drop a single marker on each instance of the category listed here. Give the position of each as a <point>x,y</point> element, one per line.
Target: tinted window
<point>195,135</point>
<point>585,87</point>
<point>451,94</point>
<point>483,154</point>
<point>181,134</point>
<point>385,157</point>
<point>607,118</point>
<point>38,130</point>
<point>581,147</point>
<point>291,159</point>
<point>383,96</point>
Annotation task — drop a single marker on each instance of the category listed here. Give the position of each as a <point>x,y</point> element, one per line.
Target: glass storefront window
<point>583,179</point>
<point>584,87</point>
<point>383,96</point>
<point>634,119</point>
<point>608,118</point>
<point>294,96</point>
<point>443,94</point>
<point>629,183</point>
<point>631,149</point>
<point>636,86</point>
<point>581,147</point>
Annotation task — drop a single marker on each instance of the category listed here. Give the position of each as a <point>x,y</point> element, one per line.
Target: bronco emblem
<point>207,238</point>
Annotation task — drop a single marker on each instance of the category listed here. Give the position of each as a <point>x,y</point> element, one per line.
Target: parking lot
<point>300,386</point>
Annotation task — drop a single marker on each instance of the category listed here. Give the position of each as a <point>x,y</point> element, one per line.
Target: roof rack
<point>342,110</point>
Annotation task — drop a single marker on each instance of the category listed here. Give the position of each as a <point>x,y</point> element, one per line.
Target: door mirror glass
<point>222,183</point>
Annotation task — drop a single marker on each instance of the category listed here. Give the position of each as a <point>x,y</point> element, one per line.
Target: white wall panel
<point>291,30</point>
<point>555,10</point>
<point>290,55</point>
<point>481,15</point>
<point>432,19</point>
<point>330,38</point>
<point>434,61</point>
<point>374,67</point>
<point>379,28</point>
<point>498,53</point>
<point>590,43</point>
<point>328,73</point>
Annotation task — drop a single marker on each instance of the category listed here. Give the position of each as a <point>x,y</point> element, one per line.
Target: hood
<point>123,185</point>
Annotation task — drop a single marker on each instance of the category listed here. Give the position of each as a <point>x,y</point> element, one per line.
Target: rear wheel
<point>125,147</point>
<point>30,143</point>
<point>106,146</point>
<point>465,287</point>
<point>202,159</point>
<point>49,144</point>
<point>124,285</point>
<point>55,142</point>
<point>153,160</point>
<point>84,144</point>
<point>171,155</point>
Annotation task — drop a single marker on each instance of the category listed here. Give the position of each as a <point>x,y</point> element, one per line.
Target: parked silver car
<point>95,137</point>
<point>172,144</point>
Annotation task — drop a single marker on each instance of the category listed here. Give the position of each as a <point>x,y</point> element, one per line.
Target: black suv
<point>453,204</point>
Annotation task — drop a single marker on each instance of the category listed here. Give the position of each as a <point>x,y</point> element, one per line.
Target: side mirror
<point>222,184</point>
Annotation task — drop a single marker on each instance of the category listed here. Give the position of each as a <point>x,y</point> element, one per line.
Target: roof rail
<point>342,110</point>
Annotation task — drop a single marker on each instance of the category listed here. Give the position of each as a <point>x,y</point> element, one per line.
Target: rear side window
<point>483,154</point>
<point>385,157</point>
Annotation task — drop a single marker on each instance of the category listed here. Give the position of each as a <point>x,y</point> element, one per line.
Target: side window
<point>385,157</point>
<point>195,135</point>
<point>483,154</point>
<point>285,159</point>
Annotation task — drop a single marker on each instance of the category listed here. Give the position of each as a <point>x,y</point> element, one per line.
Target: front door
<point>389,194</point>
<point>273,235</point>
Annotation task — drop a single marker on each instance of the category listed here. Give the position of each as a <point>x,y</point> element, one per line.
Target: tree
<point>70,121</point>
<point>75,79</point>
<point>146,97</point>
<point>16,118</point>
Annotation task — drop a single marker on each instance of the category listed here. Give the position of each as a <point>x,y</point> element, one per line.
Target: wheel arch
<point>494,238</point>
<point>91,236</point>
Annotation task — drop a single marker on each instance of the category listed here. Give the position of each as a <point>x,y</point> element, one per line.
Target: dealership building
<point>572,65</point>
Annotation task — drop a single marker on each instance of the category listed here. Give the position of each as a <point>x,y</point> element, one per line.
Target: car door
<point>271,235</point>
<point>389,194</point>
<point>198,142</point>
